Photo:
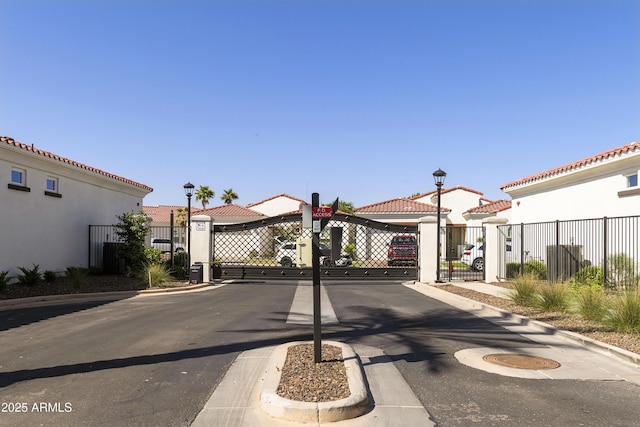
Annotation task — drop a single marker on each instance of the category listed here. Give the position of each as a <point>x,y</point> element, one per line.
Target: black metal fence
<point>104,242</point>
<point>350,246</point>
<point>558,250</point>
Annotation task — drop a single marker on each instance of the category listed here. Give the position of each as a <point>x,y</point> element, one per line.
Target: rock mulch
<point>564,321</point>
<point>304,380</point>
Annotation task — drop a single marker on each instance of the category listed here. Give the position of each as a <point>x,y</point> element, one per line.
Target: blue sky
<point>360,100</point>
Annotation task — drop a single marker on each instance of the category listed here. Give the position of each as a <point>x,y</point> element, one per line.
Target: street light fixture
<point>188,190</point>
<point>438,177</point>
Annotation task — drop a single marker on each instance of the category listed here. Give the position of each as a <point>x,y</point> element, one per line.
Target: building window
<point>632,180</point>
<point>18,176</point>
<point>18,180</point>
<point>52,187</point>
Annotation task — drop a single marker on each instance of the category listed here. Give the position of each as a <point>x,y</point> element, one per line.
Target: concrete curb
<point>97,296</point>
<point>314,412</point>
<point>448,297</point>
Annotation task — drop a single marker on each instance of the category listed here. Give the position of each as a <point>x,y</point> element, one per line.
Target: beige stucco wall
<point>49,231</point>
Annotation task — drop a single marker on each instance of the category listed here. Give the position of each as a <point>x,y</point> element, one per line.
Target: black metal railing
<point>558,250</point>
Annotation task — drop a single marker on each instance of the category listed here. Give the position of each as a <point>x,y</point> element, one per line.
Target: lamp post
<point>438,177</point>
<point>188,190</point>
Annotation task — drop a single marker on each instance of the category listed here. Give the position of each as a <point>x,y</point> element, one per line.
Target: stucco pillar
<point>201,248</point>
<point>491,248</point>
<point>428,229</point>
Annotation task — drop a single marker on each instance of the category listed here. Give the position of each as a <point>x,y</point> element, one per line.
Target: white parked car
<point>166,245</point>
<point>286,254</point>
<point>473,257</point>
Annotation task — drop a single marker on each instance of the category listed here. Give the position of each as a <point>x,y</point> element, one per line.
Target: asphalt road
<point>155,360</point>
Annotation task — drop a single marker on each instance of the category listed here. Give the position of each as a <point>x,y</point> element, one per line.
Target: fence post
<point>429,258</point>
<point>491,248</point>
<point>201,251</point>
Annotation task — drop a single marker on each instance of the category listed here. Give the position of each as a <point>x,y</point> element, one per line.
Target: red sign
<point>321,212</point>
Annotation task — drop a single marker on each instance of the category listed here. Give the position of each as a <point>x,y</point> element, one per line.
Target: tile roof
<point>400,205</point>
<point>228,210</point>
<point>634,147</point>
<point>161,213</point>
<point>447,190</point>
<point>31,148</point>
<point>493,207</point>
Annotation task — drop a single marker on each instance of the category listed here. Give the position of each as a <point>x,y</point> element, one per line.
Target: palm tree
<point>204,193</point>
<point>229,196</point>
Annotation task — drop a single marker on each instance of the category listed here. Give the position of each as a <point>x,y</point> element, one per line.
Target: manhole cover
<point>521,361</point>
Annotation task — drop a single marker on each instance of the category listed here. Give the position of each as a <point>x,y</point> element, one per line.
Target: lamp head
<point>439,176</point>
<point>188,189</point>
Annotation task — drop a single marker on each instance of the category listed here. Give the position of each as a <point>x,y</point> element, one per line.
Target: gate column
<point>201,251</point>
<point>427,267</point>
<point>491,248</point>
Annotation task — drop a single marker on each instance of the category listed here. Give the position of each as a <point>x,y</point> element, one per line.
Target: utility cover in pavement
<point>521,361</point>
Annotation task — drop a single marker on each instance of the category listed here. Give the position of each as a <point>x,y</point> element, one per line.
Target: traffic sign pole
<point>315,252</point>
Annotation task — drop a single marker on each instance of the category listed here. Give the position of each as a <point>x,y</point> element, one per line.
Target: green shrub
<point>513,269</point>
<point>624,315</point>
<point>621,272</point>
<point>591,277</point>
<point>179,272</point>
<point>30,277</point>
<point>4,281</point>
<point>50,276</point>
<point>78,276</point>
<point>524,290</point>
<point>555,297</point>
<point>156,274</point>
<point>153,255</point>
<point>536,268</point>
<point>180,260</point>
<point>591,303</point>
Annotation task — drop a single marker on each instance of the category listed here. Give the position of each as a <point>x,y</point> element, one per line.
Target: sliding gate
<point>352,247</point>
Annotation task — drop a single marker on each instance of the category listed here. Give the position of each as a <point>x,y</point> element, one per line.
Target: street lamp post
<point>438,176</point>
<point>188,190</point>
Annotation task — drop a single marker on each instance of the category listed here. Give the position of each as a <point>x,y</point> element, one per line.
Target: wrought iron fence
<point>104,243</point>
<point>558,250</point>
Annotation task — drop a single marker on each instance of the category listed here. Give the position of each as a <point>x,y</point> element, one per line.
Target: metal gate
<point>462,257</point>
<point>279,247</point>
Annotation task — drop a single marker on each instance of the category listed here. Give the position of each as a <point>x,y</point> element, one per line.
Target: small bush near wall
<point>30,276</point>
<point>591,277</point>
<point>535,268</point>
<point>50,276</point>
<point>4,280</point>
<point>621,272</point>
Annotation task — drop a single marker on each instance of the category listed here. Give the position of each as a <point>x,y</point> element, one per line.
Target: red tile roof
<point>493,207</point>
<point>228,210</point>
<point>616,152</point>
<point>10,141</point>
<point>400,205</point>
<point>447,190</point>
<point>161,213</point>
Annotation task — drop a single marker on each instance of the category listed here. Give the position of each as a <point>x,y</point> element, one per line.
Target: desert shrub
<point>621,273</point>
<point>131,231</point>
<point>180,259</point>
<point>153,255</point>
<point>77,275</point>
<point>536,268</point>
<point>591,276</point>
<point>624,315</point>
<point>555,297</point>
<point>591,303</point>
<point>524,290</point>
<point>157,274</point>
<point>30,277</point>
<point>50,276</point>
<point>4,280</point>
<point>513,269</point>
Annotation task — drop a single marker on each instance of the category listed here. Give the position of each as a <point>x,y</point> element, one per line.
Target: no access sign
<point>321,212</point>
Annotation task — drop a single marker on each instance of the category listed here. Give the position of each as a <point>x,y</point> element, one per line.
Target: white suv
<point>165,245</point>
<point>286,254</point>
